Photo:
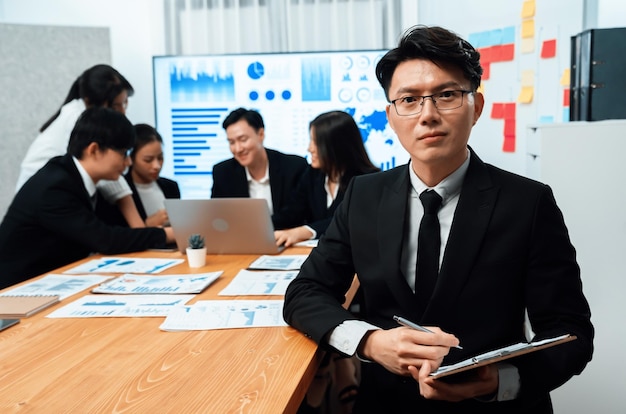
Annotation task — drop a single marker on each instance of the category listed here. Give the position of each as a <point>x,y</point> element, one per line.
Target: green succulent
<point>196,241</point>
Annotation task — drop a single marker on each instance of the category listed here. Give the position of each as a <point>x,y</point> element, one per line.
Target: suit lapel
<point>239,181</point>
<point>276,186</point>
<point>391,226</point>
<point>471,220</point>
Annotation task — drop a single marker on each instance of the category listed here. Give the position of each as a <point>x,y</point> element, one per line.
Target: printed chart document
<point>106,306</point>
<point>307,243</point>
<point>268,282</point>
<point>284,262</point>
<point>124,265</point>
<point>167,284</point>
<point>62,286</point>
<point>225,314</point>
<point>500,355</point>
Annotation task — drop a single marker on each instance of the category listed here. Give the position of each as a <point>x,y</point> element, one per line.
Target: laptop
<point>229,225</point>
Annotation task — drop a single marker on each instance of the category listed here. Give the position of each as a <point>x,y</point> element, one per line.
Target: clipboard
<point>501,354</point>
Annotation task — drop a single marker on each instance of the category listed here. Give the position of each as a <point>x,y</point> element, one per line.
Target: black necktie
<point>94,200</point>
<point>428,246</point>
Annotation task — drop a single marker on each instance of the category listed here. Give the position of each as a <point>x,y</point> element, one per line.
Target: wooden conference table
<point>128,365</point>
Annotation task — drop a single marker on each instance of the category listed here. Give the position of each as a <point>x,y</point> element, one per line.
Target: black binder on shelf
<point>597,81</point>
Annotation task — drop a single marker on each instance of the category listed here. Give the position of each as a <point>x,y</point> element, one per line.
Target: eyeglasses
<point>123,151</point>
<point>443,101</point>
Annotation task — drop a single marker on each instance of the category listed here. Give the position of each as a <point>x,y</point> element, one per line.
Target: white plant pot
<point>196,257</point>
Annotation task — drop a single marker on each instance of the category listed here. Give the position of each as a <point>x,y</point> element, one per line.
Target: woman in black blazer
<point>149,189</point>
<point>337,155</point>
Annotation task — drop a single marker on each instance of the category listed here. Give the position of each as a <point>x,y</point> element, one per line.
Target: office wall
<point>39,63</point>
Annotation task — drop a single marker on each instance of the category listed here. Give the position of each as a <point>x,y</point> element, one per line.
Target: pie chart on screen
<point>256,70</point>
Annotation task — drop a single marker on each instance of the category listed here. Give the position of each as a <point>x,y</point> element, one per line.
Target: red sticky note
<point>566,97</point>
<point>486,54</point>
<point>548,49</point>
<point>497,111</point>
<point>507,52</point>
<point>509,144</point>
<point>509,127</point>
<point>486,70</point>
<point>509,111</point>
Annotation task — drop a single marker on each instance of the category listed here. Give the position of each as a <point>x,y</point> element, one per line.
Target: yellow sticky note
<point>565,78</point>
<point>526,94</point>
<point>528,9</point>
<point>528,77</point>
<point>528,45</point>
<point>528,28</point>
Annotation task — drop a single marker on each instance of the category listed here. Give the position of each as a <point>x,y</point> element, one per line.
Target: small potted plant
<point>196,251</point>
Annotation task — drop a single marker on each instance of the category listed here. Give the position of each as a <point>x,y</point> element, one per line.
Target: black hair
<point>340,147</point>
<point>145,135</point>
<point>436,44</point>
<point>252,117</point>
<point>108,128</point>
<point>99,85</point>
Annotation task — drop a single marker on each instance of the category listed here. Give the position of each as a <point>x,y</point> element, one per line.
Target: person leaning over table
<point>504,250</point>
<point>254,171</point>
<point>100,85</point>
<point>51,221</point>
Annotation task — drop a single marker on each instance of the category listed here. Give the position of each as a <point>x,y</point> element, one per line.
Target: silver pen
<point>405,322</point>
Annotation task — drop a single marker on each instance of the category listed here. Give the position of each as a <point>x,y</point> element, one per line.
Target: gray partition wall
<point>37,67</point>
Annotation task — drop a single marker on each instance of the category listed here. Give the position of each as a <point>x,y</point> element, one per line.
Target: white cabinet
<point>584,163</point>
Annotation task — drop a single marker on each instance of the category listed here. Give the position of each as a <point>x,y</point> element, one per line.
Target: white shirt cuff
<point>348,335</point>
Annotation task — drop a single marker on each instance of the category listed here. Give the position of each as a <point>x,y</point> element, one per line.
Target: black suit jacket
<point>51,223</point>
<point>508,250</point>
<point>229,177</point>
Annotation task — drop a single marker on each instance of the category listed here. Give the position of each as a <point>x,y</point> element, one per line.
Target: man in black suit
<point>255,171</point>
<point>504,251</point>
<point>51,221</point>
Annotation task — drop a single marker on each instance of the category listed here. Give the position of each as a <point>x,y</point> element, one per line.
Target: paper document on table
<point>62,286</point>
<point>265,282</point>
<point>107,306</point>
<point>125,265</point>
<point>166,284</point>
<point>284,262</point>
<point>307,243</point>
<point>225,314</point>
<point>500,355</point>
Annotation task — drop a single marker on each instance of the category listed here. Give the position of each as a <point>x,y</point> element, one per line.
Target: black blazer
<point>51,223</point>
<point>508,250</point>
<point>229,177</point>
<point>308,204</point>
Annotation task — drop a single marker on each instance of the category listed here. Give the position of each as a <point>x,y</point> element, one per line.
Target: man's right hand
<point>398,348</point>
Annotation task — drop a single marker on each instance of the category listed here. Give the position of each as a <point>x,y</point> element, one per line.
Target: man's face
<point>435,139</point>
<point>245,143</point>
<point>112,163</point>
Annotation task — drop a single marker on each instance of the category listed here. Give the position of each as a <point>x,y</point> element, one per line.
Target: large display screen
<point>193,95</point>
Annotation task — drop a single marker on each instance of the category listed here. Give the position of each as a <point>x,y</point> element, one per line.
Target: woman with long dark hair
<point>337,155</point>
